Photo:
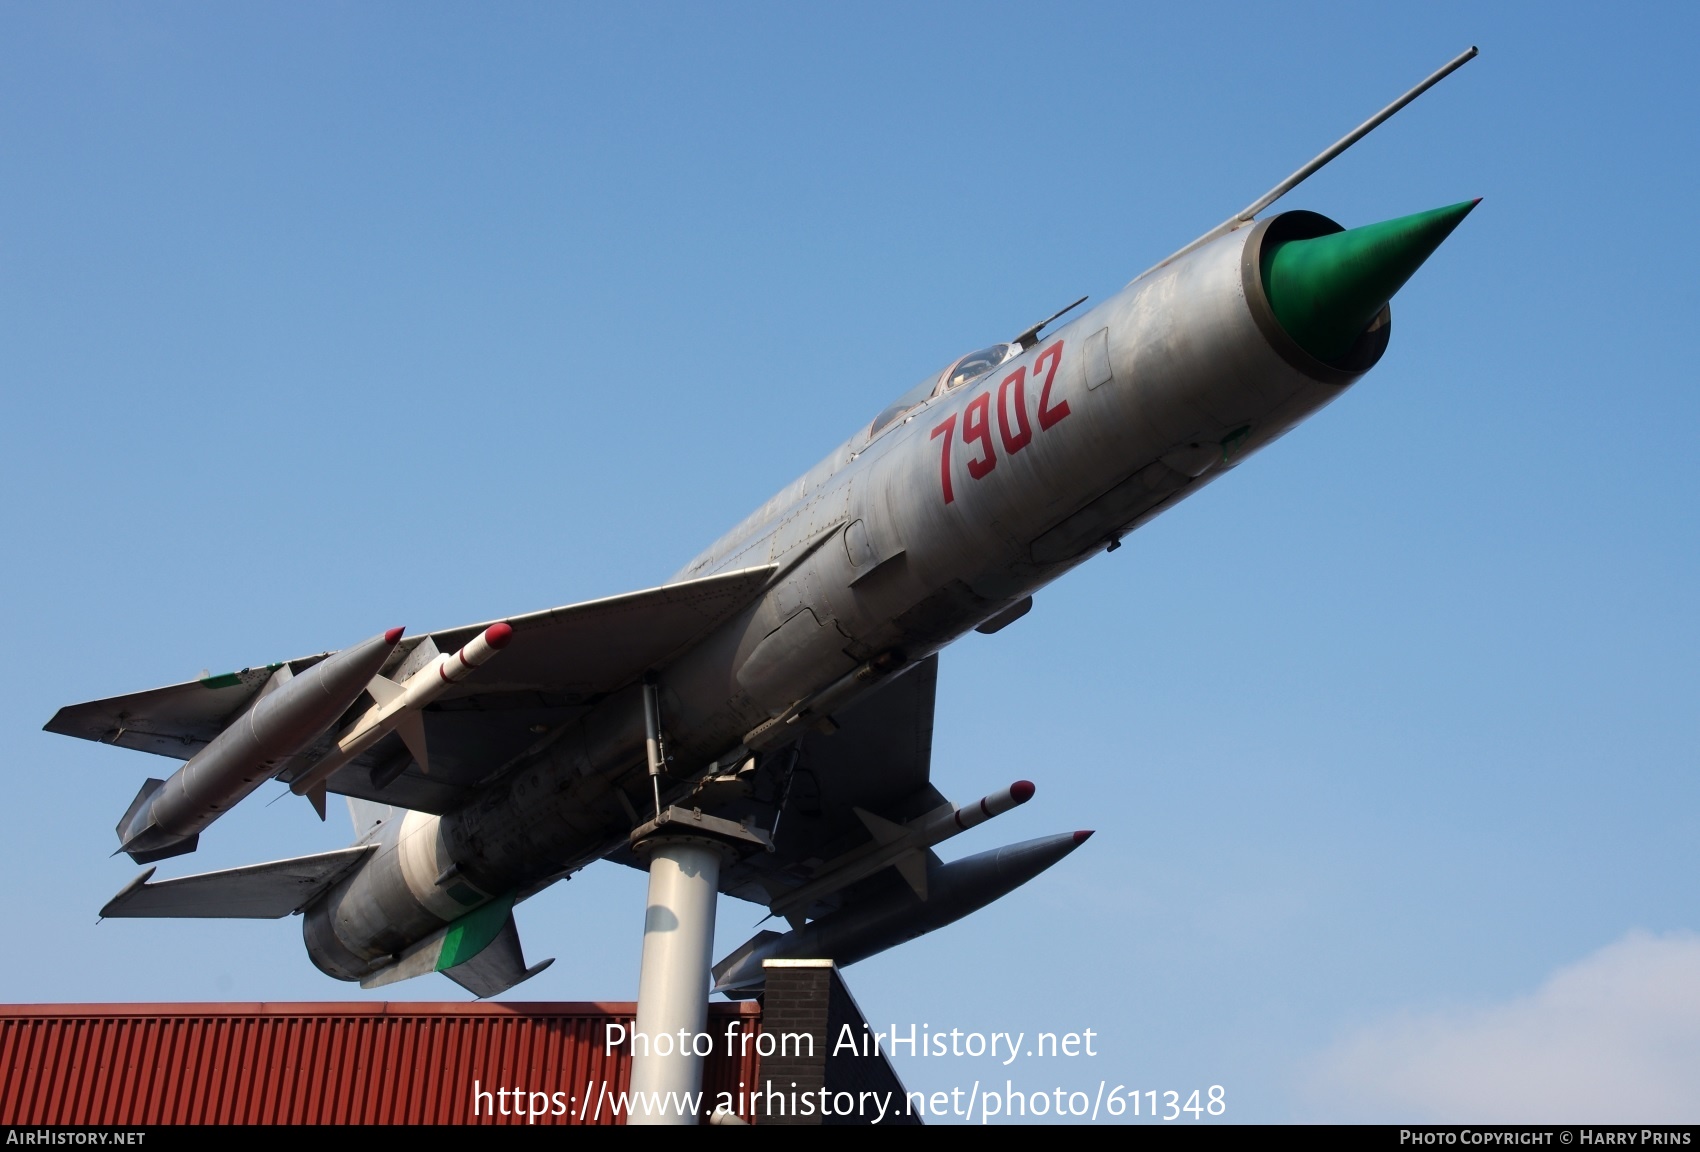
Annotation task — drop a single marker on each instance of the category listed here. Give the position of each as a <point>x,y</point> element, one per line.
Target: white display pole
<point>670,1038</point>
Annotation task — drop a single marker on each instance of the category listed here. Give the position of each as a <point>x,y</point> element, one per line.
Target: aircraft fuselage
<point>946,513</point>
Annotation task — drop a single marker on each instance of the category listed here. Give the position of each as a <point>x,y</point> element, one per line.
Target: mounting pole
<point>686,851</point>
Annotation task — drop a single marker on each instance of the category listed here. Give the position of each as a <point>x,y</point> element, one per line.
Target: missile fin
<point>383,689</point>
<point>316,797</point>
<point>912,866</point>
<point>881,829</point>
<point>135,819</point>
<point>411,727</point>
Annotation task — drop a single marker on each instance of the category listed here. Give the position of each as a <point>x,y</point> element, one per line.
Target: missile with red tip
<point>860,930</point>
<point>903,846</point>
<point>398,708</point>
<point>167,816</point>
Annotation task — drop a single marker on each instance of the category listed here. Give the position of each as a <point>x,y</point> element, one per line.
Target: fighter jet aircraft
<point>783,680</point>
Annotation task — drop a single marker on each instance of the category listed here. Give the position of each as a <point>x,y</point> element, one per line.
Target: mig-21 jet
<point>775,697</point>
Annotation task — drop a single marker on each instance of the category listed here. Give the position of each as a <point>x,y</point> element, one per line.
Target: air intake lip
<point>1329,290</point>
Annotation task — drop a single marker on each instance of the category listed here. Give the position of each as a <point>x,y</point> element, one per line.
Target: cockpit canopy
<point>975,365</point>
<point>966,370</point>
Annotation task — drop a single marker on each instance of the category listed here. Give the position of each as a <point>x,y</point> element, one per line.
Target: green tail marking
<point>472,933</point>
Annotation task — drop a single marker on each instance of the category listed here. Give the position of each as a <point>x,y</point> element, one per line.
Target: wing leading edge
<point>252,892</point>
<point>558,658</point>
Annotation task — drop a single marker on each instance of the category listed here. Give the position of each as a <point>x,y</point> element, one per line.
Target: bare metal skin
<point>787,671</point>
<point>1114,417</point>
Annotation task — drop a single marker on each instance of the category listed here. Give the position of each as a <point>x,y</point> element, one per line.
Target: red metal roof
<point>332,1063</point>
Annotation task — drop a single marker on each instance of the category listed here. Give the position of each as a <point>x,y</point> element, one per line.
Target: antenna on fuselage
<point>1244,216</point>
<point>1030,336</point>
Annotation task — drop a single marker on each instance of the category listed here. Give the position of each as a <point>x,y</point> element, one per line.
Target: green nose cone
<point>1326,290</point>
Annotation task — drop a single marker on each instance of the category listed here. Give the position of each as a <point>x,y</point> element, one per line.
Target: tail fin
<point>253,892</point>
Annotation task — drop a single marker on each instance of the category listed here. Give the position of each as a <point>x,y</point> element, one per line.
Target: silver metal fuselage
<point>898,542</point>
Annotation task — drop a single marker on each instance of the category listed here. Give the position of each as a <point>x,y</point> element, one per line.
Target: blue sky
<point>317,319</point>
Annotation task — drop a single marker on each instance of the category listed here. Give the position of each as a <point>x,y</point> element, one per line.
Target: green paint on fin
<point>228,680</point>
<point>472,933</point>
<point>1326,290</point>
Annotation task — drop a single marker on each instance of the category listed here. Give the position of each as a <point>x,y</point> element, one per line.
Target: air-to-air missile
<point>953,891</point>
<point>400,708</point>
<point>900,846</point>
<point>945,514</point>
<point>167,816</point>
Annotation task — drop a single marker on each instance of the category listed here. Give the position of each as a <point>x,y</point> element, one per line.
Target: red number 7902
<point>1014,428</point>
